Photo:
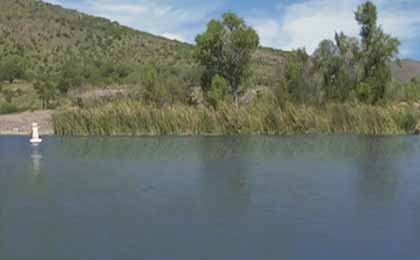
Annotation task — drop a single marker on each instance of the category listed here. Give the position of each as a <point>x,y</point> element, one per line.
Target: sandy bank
<point>20,123</point>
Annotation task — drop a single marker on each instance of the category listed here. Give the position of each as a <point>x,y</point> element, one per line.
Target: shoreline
<point>19,124</point>
<point>49,134</point>
<point>136,120</point>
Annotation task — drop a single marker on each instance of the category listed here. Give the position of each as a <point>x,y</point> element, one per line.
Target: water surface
<point>314,197</point>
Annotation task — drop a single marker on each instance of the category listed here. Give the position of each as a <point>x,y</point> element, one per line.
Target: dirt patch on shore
<point>104,93</point>
<point>20,123</point>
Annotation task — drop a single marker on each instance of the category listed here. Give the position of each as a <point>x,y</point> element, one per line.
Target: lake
<point>308,197</point>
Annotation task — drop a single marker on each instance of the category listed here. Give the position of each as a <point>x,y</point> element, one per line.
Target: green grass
<point>133,118</point>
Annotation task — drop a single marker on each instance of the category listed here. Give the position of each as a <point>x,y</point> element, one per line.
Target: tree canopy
<point>225,49</point>
<point>347,68</point>
<point>378,49</point>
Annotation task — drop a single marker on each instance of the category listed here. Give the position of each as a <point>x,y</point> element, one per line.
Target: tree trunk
<point>235,93</point>
<point>236,98</point>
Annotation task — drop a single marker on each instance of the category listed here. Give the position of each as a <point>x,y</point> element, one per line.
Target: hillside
<point>407,70</point>
<point>48,36</point>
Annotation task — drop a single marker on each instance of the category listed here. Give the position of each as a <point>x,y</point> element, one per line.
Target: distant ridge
<point>408,70</point>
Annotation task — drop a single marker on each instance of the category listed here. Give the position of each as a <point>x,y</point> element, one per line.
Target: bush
<point>219,91</point>
<point>153,92</point>
<point>9,93</point>
<point>12,67</point>
<point>364,93</point>
<point>162,88</point>
<point>7,108</point>
<point>46,91</point>
<point>407,92</point>
<point>71,76</point>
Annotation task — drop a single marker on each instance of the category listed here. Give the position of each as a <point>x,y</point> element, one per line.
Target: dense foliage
<point>219,91</point>
<point>344,70</point>
<point>225,49</point>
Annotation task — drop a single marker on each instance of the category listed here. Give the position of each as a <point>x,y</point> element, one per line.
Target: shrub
<point>46,91</point>
<point>71,76</point>
<point>7,108</point>
<point>9,93</point>
<point>219,91</point>
<point>12,67</point>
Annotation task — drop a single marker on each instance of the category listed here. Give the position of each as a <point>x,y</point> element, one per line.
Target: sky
<point>282,24</point>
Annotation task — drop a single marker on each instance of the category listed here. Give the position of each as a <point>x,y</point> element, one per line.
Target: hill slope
<point>408,70</point>
<point>48,36</point>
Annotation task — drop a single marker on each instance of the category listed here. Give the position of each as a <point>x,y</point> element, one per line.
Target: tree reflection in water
<point>379,168</point>
<point>224,185</point>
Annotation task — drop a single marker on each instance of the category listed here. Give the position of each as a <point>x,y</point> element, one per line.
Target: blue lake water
<point>312,197</point>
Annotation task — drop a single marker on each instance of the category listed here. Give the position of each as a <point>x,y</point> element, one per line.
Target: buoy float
<point>35,140</point>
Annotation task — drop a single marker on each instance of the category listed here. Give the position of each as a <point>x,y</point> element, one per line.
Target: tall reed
<point>133,118</point>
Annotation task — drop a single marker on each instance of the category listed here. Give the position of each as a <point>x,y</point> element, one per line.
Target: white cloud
<point>308,23</point>
<point>54,2</point>
<point>163,17</point>
<point>269,31</point>
<point>305,24</point>
<point>121,8</point>
<point>173,36</point>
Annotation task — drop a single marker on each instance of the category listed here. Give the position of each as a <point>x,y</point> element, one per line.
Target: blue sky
<point>284,24</point>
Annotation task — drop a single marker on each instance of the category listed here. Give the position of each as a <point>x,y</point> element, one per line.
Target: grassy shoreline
<point>135,119</point>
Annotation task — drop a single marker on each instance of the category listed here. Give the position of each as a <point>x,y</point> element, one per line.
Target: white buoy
<point>35,140</point>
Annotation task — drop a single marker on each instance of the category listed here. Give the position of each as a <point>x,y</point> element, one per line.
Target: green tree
<point>46,90</point>
<point>378,50</point>
<point>9,93</point>
<point>12,67</point>
<point>293,85</point>
<point>226,49</point>
<point>335,63</point>
<point>154,91</point>
<point>71,76</point>
<point>350,69</point>
<point>328,63</point>
<point>219,91</point>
